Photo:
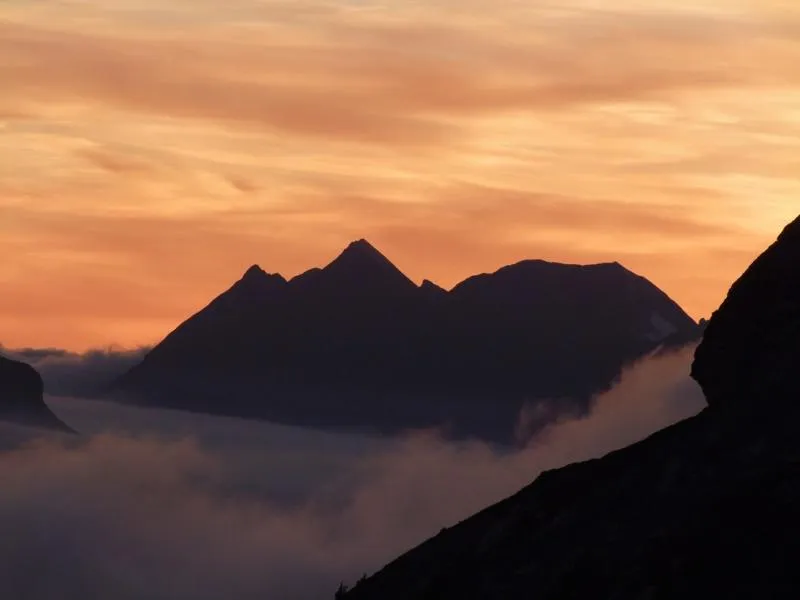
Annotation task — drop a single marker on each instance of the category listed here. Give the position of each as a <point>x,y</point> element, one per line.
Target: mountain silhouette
<point>360,269</point>
<point>707,508</point>
<point>358,344</point>
<point>756,332</point>
<point>22,397</point>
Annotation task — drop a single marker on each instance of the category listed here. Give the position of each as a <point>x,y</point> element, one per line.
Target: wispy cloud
<point>565,131</point>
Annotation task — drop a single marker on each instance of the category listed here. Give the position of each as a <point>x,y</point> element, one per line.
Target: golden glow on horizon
<point>148,155</point>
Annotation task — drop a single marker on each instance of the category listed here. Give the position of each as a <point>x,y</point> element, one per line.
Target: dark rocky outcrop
<point>709,507</point>
<point>358,344</point>
<point>753,340</point>
<point>22,397</point>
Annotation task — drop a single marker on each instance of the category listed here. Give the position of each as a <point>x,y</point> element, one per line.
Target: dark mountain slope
<point>21,397</point>
<point>578,323</point>
<point>709,507</point>
<point>755,334</point>
<point>358,344</point>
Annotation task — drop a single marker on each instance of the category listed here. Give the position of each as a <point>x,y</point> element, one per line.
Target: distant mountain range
<point>22,397</point>
<point>708,508</point>
<point>358,344</point>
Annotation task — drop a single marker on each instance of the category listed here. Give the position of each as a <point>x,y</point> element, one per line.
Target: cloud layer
<point>157,505</point>
<point>76,374</point>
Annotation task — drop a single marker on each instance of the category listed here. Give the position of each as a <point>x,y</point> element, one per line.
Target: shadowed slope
<point>753,344</point>
<point>21,397</point>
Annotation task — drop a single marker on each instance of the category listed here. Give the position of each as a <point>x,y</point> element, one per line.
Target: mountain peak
<point>257,274</point>
<point>361,263</point>
<point>254,272</point>
<point>361,243</point>
<point>256,282</point>
<point>362,249</point>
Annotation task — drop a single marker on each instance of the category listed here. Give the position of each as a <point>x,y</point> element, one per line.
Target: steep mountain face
<point>358,344</point>
<point>21,397</point>
<point>755,334</point>
<point>709,507</point>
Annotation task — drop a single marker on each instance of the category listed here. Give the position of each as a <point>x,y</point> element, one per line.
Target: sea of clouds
<point>156,504</point>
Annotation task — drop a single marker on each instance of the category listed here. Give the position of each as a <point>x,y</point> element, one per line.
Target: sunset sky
<point>151,150</point>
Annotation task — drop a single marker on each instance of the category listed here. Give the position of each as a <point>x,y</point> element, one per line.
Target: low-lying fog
<point>156,505</point>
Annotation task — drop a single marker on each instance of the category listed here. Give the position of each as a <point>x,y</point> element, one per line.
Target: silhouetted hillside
<point>708,508</point>
<point>21,397</point>
<point>358,344</point>
<point>755,334</point>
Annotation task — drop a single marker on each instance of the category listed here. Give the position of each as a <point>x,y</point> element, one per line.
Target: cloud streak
<point>390,82</point>
<point>275,133</point>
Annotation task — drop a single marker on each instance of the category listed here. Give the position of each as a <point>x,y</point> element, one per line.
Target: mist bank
<point>160,504</point>
<point>77,374</point>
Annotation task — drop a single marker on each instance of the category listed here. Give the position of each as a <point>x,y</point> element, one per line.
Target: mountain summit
<point>359,255</point>
<point>358,344</point>
<point>359,268</point>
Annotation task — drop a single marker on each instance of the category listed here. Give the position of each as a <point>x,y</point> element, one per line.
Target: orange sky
<point>148,155</point>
